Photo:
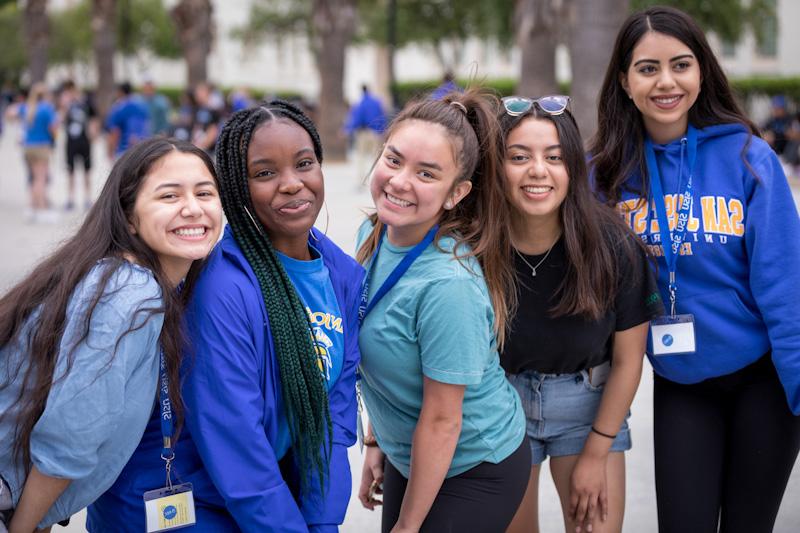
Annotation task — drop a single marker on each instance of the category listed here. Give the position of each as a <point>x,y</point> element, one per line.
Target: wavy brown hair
<point>479,220</point>
<point>595,236</point>
<point>104,234</point>
<point>618,145</point>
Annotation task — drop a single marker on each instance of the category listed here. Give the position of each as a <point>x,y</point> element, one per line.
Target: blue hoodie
<point>234,412</point>
<point>738,271</point>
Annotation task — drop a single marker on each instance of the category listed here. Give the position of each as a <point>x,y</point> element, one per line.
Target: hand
<point>588,491</point>
<point>371,478</point>
<point>399,529</point>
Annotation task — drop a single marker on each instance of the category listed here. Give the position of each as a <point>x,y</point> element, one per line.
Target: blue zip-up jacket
<point>738,271</point>
<point>234,408</point>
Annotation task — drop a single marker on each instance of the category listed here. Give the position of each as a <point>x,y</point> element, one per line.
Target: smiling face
<point>286,185</point>
<point>663,80</point>
<point>537,181</point>
<point>413,181</point>
<point>177,212</point>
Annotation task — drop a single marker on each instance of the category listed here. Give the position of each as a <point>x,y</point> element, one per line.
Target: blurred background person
<point>128,121</point>
<point>80,125</point>
<point>206,119</point>
<point>40,122</point>
<point>365,125</point>
<point>158,108</point>
<point>239,99</point>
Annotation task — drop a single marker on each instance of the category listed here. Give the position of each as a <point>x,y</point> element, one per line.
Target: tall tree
<point>37,31</point>
<point>193,20</point>
<point>334,24</point>
<point>104,42</point>
<point>538,28</point>
<point>594,26</point>
<point>330,26</point>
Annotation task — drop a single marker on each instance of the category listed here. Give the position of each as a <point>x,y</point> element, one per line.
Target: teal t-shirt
<point>311,280</point>
<point>437,321</point>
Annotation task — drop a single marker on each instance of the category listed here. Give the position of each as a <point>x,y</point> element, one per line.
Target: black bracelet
<point>606,435</point>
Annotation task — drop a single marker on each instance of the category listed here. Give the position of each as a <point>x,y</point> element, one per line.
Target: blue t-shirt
<point>37,130</point>
<point>96,415</point>
<point>437,322</point>
<point>312,282</point>
<point>132,118</point>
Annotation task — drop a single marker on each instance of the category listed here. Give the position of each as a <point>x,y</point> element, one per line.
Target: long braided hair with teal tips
<point>305,396</point>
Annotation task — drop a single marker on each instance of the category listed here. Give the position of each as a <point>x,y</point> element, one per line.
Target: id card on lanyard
<point>170,507</point>
<point>365,306</point>
<point>672,334</point>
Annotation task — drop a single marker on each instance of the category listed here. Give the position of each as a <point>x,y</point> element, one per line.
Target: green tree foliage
<point>274,20</point>
<point>142,25</point>
<point>13,58</point>
<point>435,21</point>
<point>727,18</point>
<point>418,21</point>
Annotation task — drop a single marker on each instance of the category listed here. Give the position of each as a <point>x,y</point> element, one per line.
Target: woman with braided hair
<point>270,393</point>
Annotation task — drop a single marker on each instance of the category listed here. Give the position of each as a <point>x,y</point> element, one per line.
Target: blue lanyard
<point>167,453</point>
<point>364,308</point>
<point>671,241</point>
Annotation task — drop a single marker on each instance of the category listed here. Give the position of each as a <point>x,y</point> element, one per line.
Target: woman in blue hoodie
<point>685,166</point>
<point>273,323</point>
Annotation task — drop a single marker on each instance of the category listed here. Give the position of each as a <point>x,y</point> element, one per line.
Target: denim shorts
<point>560,410</point>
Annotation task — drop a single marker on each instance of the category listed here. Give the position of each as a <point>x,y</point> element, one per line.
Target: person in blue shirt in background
<point>270,392</point>
<point>365,125</point>
<point>447,86</point>
<point>80,336</point>
<point>128,121</point>
<point>158,108</point>
<point>40,122</point>
<point>682,162</point>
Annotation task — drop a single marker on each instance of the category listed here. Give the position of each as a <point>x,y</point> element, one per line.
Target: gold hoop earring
<point>259,229</point>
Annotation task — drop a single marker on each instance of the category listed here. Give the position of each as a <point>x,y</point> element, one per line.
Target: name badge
<point>169,508</point>
<point>672,335</point>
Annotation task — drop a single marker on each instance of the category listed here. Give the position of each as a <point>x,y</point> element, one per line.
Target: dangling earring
<point>253,220</point>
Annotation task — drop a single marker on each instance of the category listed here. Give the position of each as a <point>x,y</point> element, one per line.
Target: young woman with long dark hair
<point>689,172</point>
<point>270,390</point>
<point>581,298</point>
<point>447,431</point>
<point>81,335</point>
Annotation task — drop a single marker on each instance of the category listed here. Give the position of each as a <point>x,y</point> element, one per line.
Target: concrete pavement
<point>24,244</point>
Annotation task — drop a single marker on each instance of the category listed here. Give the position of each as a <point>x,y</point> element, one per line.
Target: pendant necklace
<point>542,260</point>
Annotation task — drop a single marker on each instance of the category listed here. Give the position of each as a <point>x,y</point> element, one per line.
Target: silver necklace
<point>534,267</point>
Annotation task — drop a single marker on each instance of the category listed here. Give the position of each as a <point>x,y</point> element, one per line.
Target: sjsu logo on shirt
<point>720,218</point>
<point>323,344</point>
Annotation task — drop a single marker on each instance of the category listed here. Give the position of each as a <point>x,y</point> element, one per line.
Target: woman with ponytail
<point>446,437</point>
<point>270,390</point>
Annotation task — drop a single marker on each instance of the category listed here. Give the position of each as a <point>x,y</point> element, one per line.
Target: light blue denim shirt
<point>95,416</point>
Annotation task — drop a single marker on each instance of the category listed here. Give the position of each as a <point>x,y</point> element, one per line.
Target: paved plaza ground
<point>23,244</point>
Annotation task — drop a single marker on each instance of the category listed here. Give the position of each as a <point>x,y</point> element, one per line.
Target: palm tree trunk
<point>536,37</point>
<point>193,19</point>
<point>333,26</point>
<point>37,36</point>
<point>104,42</point>
<point>595,24</point>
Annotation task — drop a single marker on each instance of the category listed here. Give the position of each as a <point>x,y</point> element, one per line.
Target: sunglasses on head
<point>519,105</point>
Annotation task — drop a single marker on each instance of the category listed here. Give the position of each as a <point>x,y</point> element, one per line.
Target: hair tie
<point>460,106</point>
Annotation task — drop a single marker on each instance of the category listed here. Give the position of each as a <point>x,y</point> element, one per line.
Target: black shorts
<point>79,148</point>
